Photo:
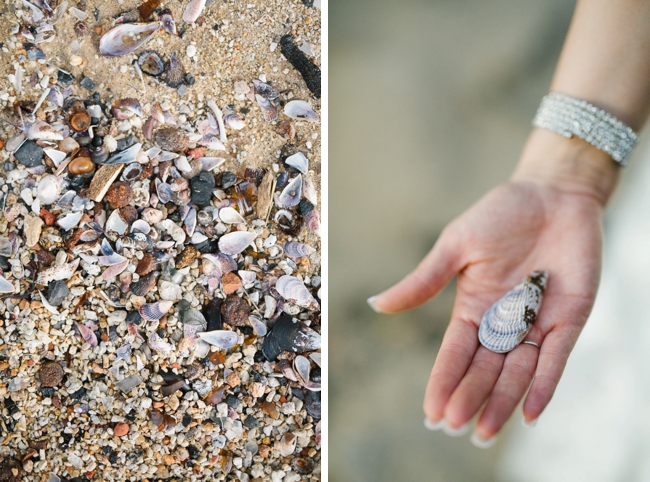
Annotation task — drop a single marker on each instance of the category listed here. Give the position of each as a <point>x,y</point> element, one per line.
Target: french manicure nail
<point>371,302</point>
<point>482,443</point>
<point>529,424</point>
<point>431,425</point>
<point>455,432</point>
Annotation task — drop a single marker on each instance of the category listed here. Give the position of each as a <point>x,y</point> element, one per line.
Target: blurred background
<point>430,104</point>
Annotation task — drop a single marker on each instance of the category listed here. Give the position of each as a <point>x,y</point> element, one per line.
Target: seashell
<point>126,108</point>
<point>141,196</point>
<point>233,121</point>
<point>309,191</point>
<point>313,221</point>
<point>300,110</point>
<point>172,139</point>
<point>286,130</point>
<point>265,90</point>
<point>140,225</point>
<point>139,241</point>
<point>285,335</point>
<point>316,357</point>
<point>115,223</point>
<point>298,250</point>
<point>80,121</point>
<point>82,165</point>
<point>151,63</point>
<point>152,216</point>
<point>87,334</point>
<point>123,157</point>
<point>210,163</point>
<point>99,154</point>
<point>158,344</point>
<point>294,291</point>
<point>123,352</point>
<point>144,285</point>
<point>132,172</point>
<point>125,38</point>
<point>165,193</point>
<point>68,145</point>
<point>298,161</point>
<point>193,10</point>
<point>231,216</point>
<point>223,339</point>
<point>235,243</point>
<point>208,126</point>
<point>302,367</point>
<point>69,221</point>
<point>109,257</point>
<point>154,311</point>
<point>288,444</point>
<point>182,164</point>
<point>190,222</point>
<point>207,215</point>
<point>268,108</point>
<point>6,286</point>
<point>291,194</point>
<point>507,322</point>
<point>6,247</point>
<point>259,327</point>
<point>58,272</point>
<point>48,189</point>
<point>112,271</point>
<point>247,277</point>
<point>167,22</point>
<point>111,143</point>
<point>212,142</point>
<point>56,156</point>
<point>43,131</point>
<point>174,72</point>
<point>174,230</point>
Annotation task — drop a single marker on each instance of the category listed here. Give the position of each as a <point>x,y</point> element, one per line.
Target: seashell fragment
<point>507,322</point>
<point>126,37</point>
<point>265,90</point>
<point>154,311</point>
<point>158,344</point>
<point>87,334</point>
<point>290,195</point>
<point>151,63</point>
<point>223,339</point>
<point>285,335</point>
<point>295,291</point>
<point>58,272</point>
<point>123,157</point>
<point>229,215</point>
<point>5,286</point>
<point>298,250</point>
<point>193,10</point>
<point>268,108</point>
<point>300,110</point>
<point>48,189</point>
<point>235,243</point>
<point>298,161</point>
<point>70,220</point>
<point>172,139</point>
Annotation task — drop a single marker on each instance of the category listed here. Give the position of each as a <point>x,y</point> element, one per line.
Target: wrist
<point>571,165</point>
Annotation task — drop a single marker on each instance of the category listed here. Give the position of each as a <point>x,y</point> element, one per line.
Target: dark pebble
<point>107,449</point>
<point>315,375</point>
<point>187,420</point>
<point>244,110</point>
<point>193,451</point>
<point>77,182</point>
<point>251,422</point>
<point>9,166</point>
<point>56,292</point>
<point>308,3</point>
<point>64,79</point>
<point>189,79</point>
<point>281,180</point>
<point>79,394</point>
<point>30,154</point>
<point>232,401</point>
<point>208,246</point>
<point>246,330</point>
<point>259,356</point>
<point>11,470</point>
<point>47,391</point>
<point>87,83</point>
<point>123,144</point>
<point>228,179</point>
<point>84,141</point>
<point>305,207</point>
<point>235,311</point>
<point>303,64</point>
<point>133,317</point>
<point>202,186</point>
<point>113,458</point>
<point>162,333</point>
<point>212,313</point>
<point>312,404</point>
<point>97,141</point>
<point>4,263</point>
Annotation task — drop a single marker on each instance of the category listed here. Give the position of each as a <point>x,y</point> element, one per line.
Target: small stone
<point>50,374</point>
<point>57,292</point>
<point>235,311</point>
<point>232,401</point>
<point>228,179</point>
<point>193,371</point>
<point>189,254</point>
<point>81,165</point>
<point>48,218</point>
<point>119,195</point>
<point>189,79</point>
<point>87,83</point>
<point>202,186</point>
<point>256,389</point>
<point>173,402</point>
<point>128,214</point>
<point>145,265</point>
<point>233,379</point>
<point>231,283</point>
<point>33,227</point>
<point>121,429</point>
<point>64,79</point>
<point>126,142</point>
<point>190,50</point>
<point>169,291</point>
<point>250,422</point>
<point>30,154</point>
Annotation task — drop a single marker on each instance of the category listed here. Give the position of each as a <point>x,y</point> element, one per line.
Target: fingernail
<point>371,302</point>
<point>529,424</point>
<point>482,443</point>
<point>455,432</point>
<point>433,426</point>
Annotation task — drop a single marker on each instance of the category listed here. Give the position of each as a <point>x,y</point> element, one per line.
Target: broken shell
<point>164,191</point>
<point>231,216</point>
<point>80,121</point>
<point>291,194</point>
<point>113,271</point>
<point>223,339</point>
<point>126,108</point>
<point>294,291</point>
<point>190,222</point>
<point>109,257</point>
<point>235,243</point>
<point>167,22</point>
<point>309,191</point>
<point>152,216</point>
<point>174,72</point>
<point>123,157</point>
<point>158,344</point>
<point>265,90</point>
<point>285,335</point>
<point>313,221</point>
<point>300,110</point>
<point>172,139</point>
<point>6,286</point>
<point>58,272</point>
<point>258,325</point>
<point>302,367</point>
<point>115,223</point>
<point>70,220</point>
<point>48,189</point>
<point>132,172</point>
<point>288,444</point>
<point>507,322</point>
<point>233,121</point>
<point>43,131</point>
<point>141,226</point>
<point>136,240</point>
<point>298,250</point>
<point>68,145</point>
<point>193,10</point>
<point>210,163</point>
<point>151,63</point>
<point>144,285</point>
<point>87,334</point>
<point>6,248</point>
<point>285,129</point>
<point>125,38</point>
<point>298,161</point>
<point>56,156</point>
<point>154,311</point>
<point>268,108</point>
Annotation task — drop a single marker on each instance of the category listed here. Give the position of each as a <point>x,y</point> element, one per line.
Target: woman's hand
<point>531,223</point>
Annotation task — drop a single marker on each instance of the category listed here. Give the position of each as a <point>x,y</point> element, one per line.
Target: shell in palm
<point>507,322</point>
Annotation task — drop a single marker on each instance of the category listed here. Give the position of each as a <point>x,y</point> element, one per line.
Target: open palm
<point>515,229</point>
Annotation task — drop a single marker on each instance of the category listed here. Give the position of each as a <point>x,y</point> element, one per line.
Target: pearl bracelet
<point>570,117</point>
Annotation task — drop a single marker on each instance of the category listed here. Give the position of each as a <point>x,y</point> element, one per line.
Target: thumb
<point>425,281</point>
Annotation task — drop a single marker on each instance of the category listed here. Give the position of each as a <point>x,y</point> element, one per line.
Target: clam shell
<point>231,216</point>
<point>265,90</point>
<point>48,189</point>
<point>300,110</point>
<point>6,286</point>
<point>302,367</point>
<point>140,225</point>
<point>70,220</point>
<point>233,121</point>
<point>507,322</point>
<point>316,357</point>
<point>154,311</point>
<point>165,193</point>
<point>123,157</point>
<point>259,327</point>
<point>126,37</point>
<point>291,194</point>
<point>58,272</point>
<point>235,243</point>
<point>295,291</point>
<point>298,161</point>
<point>268,108</point>
<point>151,63</point>
<point>193,10</point>
<point>223,339</point>
<point>298,250</point>
<point>285,335</point>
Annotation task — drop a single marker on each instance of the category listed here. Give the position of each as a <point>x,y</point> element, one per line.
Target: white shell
<point>115,223</point>
<point>158,344</point>
<point>299,161</point>
<point>210,163</point>
<point>507,322</point>
<point>6,286</point>
<point>141,225</point>
<point>288,444</point>
<point>292,193</point>
<point>49,189</point>
<point>41,130</point>
<point>193,10</point>
<point>295,291</point>
<point>223,339</point>
<point>301,110</point>
<point>56,155</point>
<point>309,191</point>
<point>57,272</point>
<point>121,40</point>
<point>235,243</point>
<point>231,216</point>
<point>69,221</point>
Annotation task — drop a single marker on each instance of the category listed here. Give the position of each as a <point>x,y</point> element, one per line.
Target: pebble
<point>33,227</point>
<point>202,186</point>
<point>30,154</point>
<point>190,51</point>
<point>228,179</point>
<point>187,257</point>
<point>88,83</point>
<point>121,429</point>
<point>81,165</point>
<point>119,195</point>
<point>235,311</point>
<point>231,283</point>
<point>57,292</point>
<point>50,374</point>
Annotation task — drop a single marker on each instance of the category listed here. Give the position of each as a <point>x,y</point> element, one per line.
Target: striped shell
<point>236,242</point>
<point>193,10</point>
<point>223,339</point>
<point>154,311</point>
<point>507,322</point>
<point>298,250</point>
<point>294,291</point>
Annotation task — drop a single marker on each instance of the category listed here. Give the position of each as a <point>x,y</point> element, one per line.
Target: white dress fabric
<point>597,427</point>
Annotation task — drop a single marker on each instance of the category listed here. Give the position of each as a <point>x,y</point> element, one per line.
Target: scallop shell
<point>193,10</point>
<point>58,272</point>
<point>154,311</point>
<point>231,216</point>
<point>295,291</point>
<point>269,110</point>
<point>144,284</point>
<point>125,38</point>
<point>298,161</point>
<point>298,250</point>
<point>507,322</point>
<point>291,194</point>
<point>223,339</point>
<point>235,243</point>
<point>300,110</point>
<point>48,189</point>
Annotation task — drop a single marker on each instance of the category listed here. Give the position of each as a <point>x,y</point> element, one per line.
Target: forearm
<point>605,61</point>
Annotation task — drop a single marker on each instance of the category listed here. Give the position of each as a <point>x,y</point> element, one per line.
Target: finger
<point>423,283</point>
<point>475,387</point>
<point>454,357</point>
<point>514,380</point>
<point>553,357</point>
